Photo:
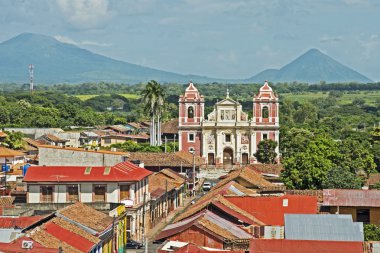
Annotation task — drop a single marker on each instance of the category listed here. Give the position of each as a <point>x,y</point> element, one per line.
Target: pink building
<point>227,135</point>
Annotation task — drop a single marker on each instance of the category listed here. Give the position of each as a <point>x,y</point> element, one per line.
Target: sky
<point>214,38</point>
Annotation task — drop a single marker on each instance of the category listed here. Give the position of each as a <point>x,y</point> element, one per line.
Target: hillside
<point>312,67</point>
<point>56,62</point>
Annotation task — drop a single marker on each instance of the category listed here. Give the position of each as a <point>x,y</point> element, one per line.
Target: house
<point>271,209</point>
<point>363,205</point>
<point>169,130</point>
<point>31,146</point>
<point>50,139</point>
<point>249,178</point>
<point>209,230</point>
<point>11,227</point>
<point>123,183</point>
<point>119,129</point>
<point>302,246</point>
<point>186,247</point>
<point>137,127</point>
<point>181,161</point>
<point>11,157</point>
<point>115,138</point>
<point>23,244</point>
<point>89,138</point>
<point>67,156</point>
<point>167,191</point>
<point>78,228</point>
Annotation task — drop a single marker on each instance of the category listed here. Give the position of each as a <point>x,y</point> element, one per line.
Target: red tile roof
<point>121,172</point>
<point>334,197</point>
<point>302,246</point>
<point>68,237</point>
<point>6,152</point>
<point>18,222</point>
<point>271,210</point>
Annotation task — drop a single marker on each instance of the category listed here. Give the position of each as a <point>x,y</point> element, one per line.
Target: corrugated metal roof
<point>121,172</point>
<point>217,225</point>
<point>334,197</point>
<point>323,227</point>
<point>270,210</point>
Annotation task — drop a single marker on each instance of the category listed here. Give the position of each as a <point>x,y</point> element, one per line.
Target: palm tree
<point>153,97</point>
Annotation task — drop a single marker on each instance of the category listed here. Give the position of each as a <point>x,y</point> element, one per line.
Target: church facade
<point>228,135</point>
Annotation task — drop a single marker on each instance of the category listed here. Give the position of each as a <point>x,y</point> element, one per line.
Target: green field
<point>126,95</point>
<point>370,97</point>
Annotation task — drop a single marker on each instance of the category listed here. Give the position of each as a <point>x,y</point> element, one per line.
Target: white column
<point>253,143</point>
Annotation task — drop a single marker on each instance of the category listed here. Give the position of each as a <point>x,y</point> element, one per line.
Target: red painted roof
<point>15,247</point>
<point>271,210</point>
<point>18,222</point>
<point>302,246</point>
<point>68,237</point>
<point>334,197</point>
<point>121,172</point>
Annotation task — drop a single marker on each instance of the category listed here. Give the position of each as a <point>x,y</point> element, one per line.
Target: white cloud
<point>370,45</point>
<point>68,40</point>
<point>229,57</point>
<point>330,39</point>
<point>65,39</point>
<point>95,43</point>
<point>85,14</point>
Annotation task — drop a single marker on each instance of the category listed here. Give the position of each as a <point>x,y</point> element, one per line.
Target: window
<point>107,141</point>
<point>191,137</point>
<point>47,194</point>
<point>190,112</point>
<point>265,136</point>
<point>124,192</point>
<point>362,215</point>
<point>99,193</point>
<point>228,138</point>
<point>265,112</point>
<point>72,193</point>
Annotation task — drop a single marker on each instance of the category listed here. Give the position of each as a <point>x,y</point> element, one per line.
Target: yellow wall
<point>374,213</point>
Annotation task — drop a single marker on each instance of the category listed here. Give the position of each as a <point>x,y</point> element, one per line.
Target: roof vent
<point>87,171</point>
<point>107,170</point>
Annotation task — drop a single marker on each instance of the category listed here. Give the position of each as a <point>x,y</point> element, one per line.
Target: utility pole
<point>174,145</point>
<point>166,199</point>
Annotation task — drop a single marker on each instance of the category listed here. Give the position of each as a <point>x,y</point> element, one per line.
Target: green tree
<point>266,151</point>
<point>371,232</point>
<point>154,97</point>
<point>14,140</point>
<point>341,178</point>
<point>308,160</point>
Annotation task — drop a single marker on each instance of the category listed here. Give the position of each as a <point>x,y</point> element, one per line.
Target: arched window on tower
<point>190,112</point>
<point>265,112</point>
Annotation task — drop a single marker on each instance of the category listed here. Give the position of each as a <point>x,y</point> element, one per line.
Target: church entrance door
<point>210,159</point>
<point>228,156</point>
<point>244,159</point>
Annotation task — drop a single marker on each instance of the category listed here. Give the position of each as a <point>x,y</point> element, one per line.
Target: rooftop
<point>270,210</point>
<point>85,150</point>
<point>341,197</point>
<point>209,222</point>
<point>121,172</point>
<point>6,152</point>
<point>164,160</point>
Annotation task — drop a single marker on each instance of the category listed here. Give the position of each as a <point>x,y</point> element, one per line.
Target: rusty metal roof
<point>335,197</point>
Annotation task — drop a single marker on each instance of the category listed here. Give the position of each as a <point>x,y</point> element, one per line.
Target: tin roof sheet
<point>342,197</point>
<point>323,227</point>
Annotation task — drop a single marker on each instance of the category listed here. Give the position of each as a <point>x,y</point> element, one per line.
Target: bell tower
<point>191,115</point>
<point>266,116</point>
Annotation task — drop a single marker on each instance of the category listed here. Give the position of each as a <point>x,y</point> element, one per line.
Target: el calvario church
<point>228,135</point>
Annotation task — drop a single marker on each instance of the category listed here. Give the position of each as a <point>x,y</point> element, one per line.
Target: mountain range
<point>57,62</point>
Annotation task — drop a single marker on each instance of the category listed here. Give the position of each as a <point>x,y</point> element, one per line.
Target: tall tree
<point>266,151</point>
<point>154,97</point>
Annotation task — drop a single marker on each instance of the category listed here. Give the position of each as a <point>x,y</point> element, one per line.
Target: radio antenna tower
<point>31,67</point>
